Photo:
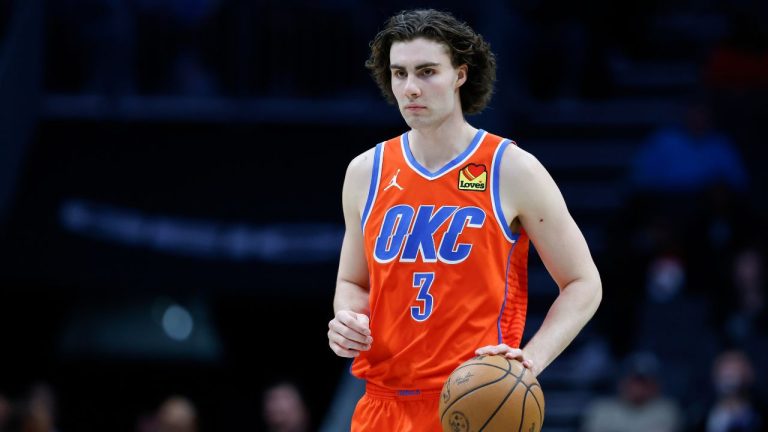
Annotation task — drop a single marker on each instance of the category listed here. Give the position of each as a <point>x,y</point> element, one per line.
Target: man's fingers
<point>349,333</point>
<point>364,322</point>
<point>495,349</point>
<point>355,321</point>
<point>343,352</point>
<point>347,343</point>
<point>514,354</point>
<point>528,364</point>
<point>506,351</point>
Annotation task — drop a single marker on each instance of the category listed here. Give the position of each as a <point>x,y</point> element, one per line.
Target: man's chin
<point>416,121</point>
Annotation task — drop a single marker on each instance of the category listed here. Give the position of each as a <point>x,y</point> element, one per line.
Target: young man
<point>433,264</point>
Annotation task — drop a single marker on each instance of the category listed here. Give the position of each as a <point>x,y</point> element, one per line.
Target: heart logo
<point>472,177</point>
<point>474,170</point>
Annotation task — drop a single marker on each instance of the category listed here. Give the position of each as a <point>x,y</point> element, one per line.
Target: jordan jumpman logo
<point>393,182</point>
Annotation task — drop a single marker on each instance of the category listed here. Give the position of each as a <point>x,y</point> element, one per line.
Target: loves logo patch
<point>473,177</point>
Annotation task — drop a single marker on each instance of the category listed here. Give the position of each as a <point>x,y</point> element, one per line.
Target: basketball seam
<point>508,372</point>
<point>538,404</point>
<point>522,414</point>
<point>512,390</point>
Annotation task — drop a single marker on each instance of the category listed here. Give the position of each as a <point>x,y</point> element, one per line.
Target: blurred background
<point>170,205</point>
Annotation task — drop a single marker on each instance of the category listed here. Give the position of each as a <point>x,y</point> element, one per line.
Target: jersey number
<point>423,281</point>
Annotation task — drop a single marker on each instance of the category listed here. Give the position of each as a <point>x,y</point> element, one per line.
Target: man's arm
<point>530,194</point>
<point>348,331</point>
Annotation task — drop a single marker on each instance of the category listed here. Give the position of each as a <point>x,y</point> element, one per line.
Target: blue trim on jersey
<point>450,165</point>
<point>374,185</point>
<point>495,175</point>
<point>506,292</point>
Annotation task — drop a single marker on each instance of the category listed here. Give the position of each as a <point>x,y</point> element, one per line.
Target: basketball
<point>491,393</point>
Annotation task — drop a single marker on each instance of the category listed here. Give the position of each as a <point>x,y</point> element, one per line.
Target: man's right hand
<point>349,333</point>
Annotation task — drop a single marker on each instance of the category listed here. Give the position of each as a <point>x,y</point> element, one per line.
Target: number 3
<point>423,281</point>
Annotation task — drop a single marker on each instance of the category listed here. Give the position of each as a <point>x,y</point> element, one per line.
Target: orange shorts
<point>381,410</point>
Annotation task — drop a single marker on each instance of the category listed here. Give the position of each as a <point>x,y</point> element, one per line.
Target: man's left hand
<point>508,352</point>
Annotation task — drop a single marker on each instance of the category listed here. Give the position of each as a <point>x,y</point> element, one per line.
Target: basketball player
<point>438,222</point>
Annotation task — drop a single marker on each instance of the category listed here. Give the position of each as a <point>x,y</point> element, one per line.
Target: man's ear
<point>461,76</point>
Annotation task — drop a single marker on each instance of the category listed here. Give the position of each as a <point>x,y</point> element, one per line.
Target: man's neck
<point>436,146</point>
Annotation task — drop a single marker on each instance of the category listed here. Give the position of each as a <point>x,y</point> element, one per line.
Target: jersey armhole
<point>374,186</point>
<point>495,194</point>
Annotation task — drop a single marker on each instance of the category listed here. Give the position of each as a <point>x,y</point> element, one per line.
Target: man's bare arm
<point>348,331</point>
<point>536,201</point>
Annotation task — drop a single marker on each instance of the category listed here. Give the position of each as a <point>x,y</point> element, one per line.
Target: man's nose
<point>412,90</point>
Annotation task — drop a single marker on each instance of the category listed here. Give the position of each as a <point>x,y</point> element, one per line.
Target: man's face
<point>284,408</point>
<point>424,82</point>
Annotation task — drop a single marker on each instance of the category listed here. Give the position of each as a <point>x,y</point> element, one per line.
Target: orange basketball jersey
<point>447,274</point>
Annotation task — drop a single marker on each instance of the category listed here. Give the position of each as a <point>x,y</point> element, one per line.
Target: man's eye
<point>399,74</point>
<point>428,72</point>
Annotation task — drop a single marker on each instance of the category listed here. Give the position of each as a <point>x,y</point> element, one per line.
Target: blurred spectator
<point>685,181</point>
<point>37,411</point>
<point>685,211</point>
<point>639,405</point>
<point>284,409</point>
<point>734,406</point>
<point>718,225</point>
<point>746,314</point>
<point>740,61</point>
<point>649,262</point>
<point>736,72</point>
<point>688,158</point>
<point>666,278</point>
<point>6,411</point>
<point>175,414</point>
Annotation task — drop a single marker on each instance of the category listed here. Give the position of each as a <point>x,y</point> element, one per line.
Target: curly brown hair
<point>465,46</point>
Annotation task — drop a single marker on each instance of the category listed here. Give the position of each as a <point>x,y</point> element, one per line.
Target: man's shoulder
<point>363,161</point>
<point>360,169</point>
<point>516,161</point>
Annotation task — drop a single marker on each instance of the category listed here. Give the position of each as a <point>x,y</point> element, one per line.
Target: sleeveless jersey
<point>447,274</point>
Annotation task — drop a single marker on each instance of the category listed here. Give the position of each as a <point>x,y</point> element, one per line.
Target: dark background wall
<point>170,188</point>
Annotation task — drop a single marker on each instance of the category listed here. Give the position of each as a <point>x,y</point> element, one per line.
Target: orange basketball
<point>491,394</point>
